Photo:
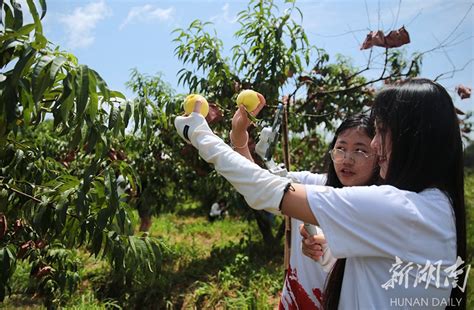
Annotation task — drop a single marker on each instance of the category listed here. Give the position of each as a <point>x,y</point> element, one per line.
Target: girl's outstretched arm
<point>261,189</point>
<point>295,204</point>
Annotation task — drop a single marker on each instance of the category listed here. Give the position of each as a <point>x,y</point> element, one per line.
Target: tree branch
<point>7,187</point>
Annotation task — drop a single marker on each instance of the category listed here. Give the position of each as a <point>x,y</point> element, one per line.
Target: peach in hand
<point>190,101</point>
<point>249,99</point>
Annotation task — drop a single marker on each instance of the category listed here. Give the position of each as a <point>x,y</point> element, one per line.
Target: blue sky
<point>113,36</point>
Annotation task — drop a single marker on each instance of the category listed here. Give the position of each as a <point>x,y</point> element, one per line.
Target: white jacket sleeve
<point>261,189</point>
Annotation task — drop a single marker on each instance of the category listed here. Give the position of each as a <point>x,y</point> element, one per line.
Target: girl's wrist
<point>241,142</point>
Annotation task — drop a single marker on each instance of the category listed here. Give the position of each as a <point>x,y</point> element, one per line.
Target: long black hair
<point>426,148</point>
<point>333,285</point>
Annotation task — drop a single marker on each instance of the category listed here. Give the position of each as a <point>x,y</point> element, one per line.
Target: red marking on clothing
<point>318,294</point>
<point>297,297</point>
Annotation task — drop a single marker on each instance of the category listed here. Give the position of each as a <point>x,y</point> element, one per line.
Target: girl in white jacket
<point>350,161</point>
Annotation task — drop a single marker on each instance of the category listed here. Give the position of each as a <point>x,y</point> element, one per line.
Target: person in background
<point>218,210</point>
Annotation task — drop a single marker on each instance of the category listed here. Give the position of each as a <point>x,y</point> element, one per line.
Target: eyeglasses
<point>338,156</point>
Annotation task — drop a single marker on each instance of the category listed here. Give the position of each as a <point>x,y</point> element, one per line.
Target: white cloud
<point>148,13</point>
<point>224,17</point>
<point>80,24</point>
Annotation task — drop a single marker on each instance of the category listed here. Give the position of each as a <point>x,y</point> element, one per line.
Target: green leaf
<point>131,242</point>
<point>34,14</point>
<point>103,218</point>
<point>9,18</point>
<point>93,106</point>
<point>127,114</point>
<point>27,99</point>
<point>118,256</point>
<point>77,137</point>
<point>92,139</point>
<point>136,115</point>
<point>97,241</point>
<point>58,62</point>
<point>114,199</point>
<point>151,253</point>
<point>61,213</point>
<point>118,125</point>
<point>104,90</point>
<point>43,8</point>
<point>18,16</point>
<point>113,114</point>
<point>23,31</point>
<point>40,80</point>
<point>65,103</point>
<point>117,94</point>
<point>22,65</point>
<point>82,90</point>
<point>122,220</point>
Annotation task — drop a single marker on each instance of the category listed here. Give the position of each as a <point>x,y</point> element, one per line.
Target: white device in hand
<point>311,229</point>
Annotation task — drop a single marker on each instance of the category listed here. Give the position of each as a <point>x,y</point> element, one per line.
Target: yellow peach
<point>190,101</point>
<point>249,99</point>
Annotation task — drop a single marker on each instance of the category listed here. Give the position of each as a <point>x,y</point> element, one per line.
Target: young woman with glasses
<point>350,161</point>
<point>389,234</point>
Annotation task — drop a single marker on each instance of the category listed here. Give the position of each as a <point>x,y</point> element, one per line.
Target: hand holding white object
<point>315,246</point>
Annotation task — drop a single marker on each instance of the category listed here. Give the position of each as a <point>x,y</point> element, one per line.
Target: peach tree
<point>58,124</point>
<point>275,58</point>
